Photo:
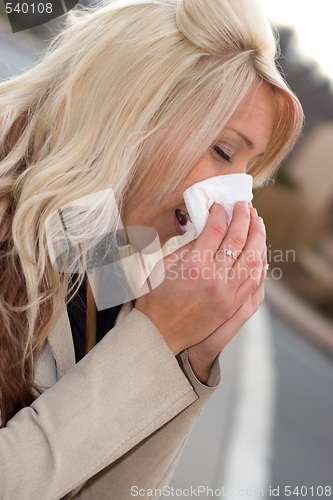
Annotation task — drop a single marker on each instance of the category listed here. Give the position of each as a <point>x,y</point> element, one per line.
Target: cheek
<point>202,170</point>
<point>138,216</point>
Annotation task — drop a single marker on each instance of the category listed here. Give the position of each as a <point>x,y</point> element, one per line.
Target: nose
<point>242,167</point>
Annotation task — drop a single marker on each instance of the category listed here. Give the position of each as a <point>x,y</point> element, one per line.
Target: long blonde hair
<point>126,91</point>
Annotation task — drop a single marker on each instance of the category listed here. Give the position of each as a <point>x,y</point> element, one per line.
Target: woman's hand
<point>203,287</point>
<point>201,356</point>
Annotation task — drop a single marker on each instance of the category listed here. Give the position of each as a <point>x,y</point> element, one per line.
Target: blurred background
<point>269,425</point>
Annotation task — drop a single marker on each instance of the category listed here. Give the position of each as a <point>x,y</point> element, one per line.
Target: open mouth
<point>182,218</point>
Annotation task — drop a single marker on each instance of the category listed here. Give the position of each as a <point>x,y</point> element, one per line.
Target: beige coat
<point>120,417</point>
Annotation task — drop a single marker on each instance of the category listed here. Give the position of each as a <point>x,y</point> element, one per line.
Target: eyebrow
<point>249,143</point>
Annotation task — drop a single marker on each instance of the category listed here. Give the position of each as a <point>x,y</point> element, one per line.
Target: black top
<point>77,313</point>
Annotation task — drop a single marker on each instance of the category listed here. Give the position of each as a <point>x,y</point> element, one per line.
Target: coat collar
<point>61,343</point>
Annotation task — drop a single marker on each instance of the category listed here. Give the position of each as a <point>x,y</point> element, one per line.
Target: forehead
<point>255,117</point>
<point>260,98</point>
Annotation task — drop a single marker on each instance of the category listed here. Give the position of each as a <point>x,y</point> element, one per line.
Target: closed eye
<point>222,153</point>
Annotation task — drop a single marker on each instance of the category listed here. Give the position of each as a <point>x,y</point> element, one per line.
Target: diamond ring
<point>230,253</point>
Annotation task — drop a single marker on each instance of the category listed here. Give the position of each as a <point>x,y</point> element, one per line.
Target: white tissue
<point>223,189</point>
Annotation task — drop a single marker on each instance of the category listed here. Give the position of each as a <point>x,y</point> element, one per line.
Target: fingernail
<point>261,220</point>
<point>245,205</point>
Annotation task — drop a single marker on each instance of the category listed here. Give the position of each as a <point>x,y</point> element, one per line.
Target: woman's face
<point>246,136</point>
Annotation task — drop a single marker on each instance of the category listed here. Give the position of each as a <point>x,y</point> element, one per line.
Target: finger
<point>259,291</point>
<point>258,295</point>
<point>249,285</point>
<point>236,236</point>
<point>251,256</point>
<point>214,231</point>
<point>264,263</point>
<point>231,327</point>
<point>254,285</point>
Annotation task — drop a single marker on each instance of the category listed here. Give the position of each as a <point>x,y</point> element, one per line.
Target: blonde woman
<point>143,98</point>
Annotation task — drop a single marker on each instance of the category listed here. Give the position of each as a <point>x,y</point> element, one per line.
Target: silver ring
<point>267,267</point>
<point>230,253</point>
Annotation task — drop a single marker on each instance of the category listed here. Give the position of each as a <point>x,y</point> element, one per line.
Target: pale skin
<point>203,314</point>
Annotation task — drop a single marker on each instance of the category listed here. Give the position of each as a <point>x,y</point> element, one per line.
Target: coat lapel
<point>61,343</point>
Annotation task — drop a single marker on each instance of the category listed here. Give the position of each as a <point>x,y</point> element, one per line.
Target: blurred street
<point>303,434</point>
<point>15,55</point>
<point>299,447</point>
<point>269,424</point>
